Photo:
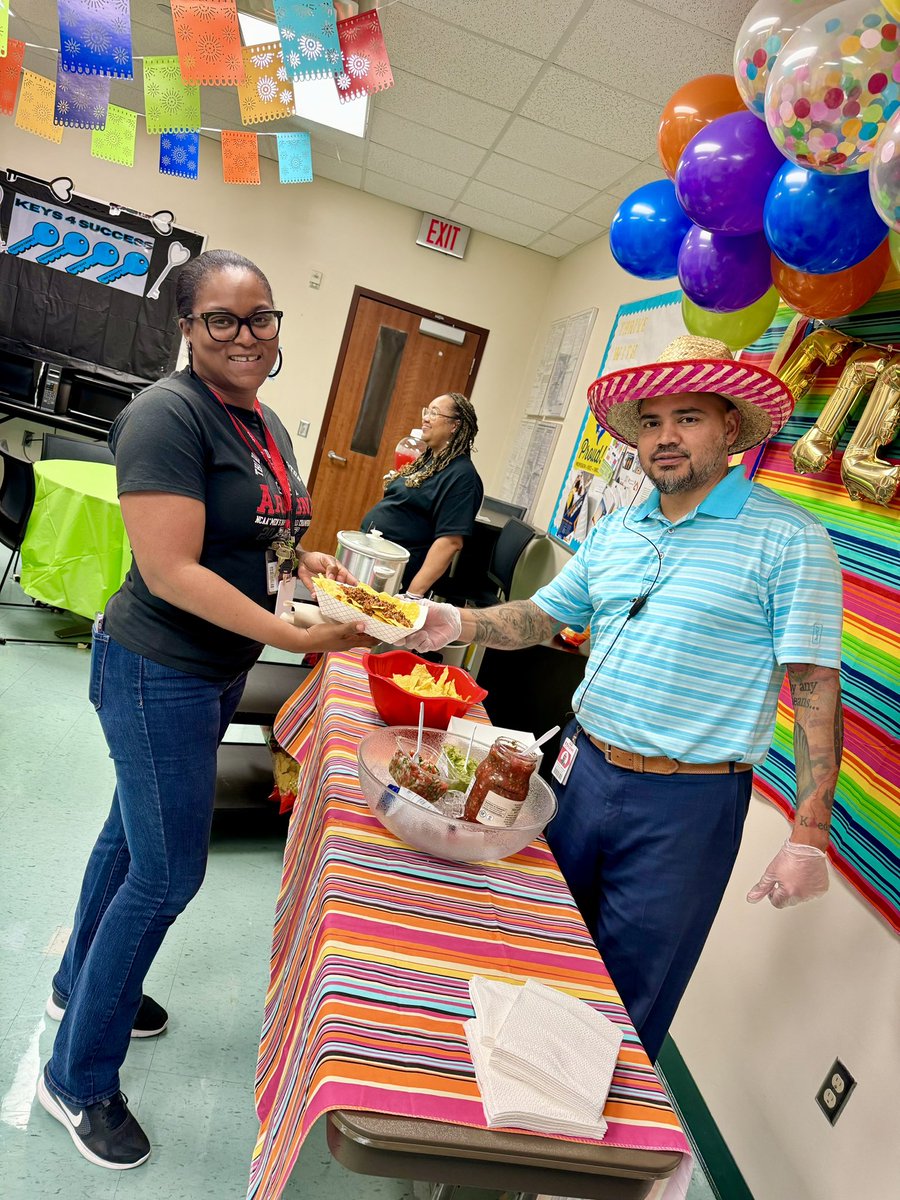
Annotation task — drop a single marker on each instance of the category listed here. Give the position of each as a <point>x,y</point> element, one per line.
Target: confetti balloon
<point>689,110</point>
<point>884,173</point>
<point>647,230</point>
<point>834,87</point>
<point>837,295</point>
<point>723,273</point>
<point>820,223</point>
<point>763,36</point>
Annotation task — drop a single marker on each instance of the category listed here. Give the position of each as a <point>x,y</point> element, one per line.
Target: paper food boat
<point>336,610</point>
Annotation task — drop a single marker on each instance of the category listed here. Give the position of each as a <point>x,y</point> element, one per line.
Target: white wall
<point>777,996</point>
<point>353,238</point>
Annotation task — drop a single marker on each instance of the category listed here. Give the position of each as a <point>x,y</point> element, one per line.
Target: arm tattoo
<point>818,742</point>
<point>512,626</point>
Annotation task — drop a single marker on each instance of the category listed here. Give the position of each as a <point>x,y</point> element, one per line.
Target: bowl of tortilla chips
<point>400,682</point>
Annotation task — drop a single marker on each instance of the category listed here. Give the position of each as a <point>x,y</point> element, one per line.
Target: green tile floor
<point>191,1088</point>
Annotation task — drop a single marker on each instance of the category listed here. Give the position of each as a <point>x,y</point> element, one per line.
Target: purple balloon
<point>724,174</point>
<point>723,273</point>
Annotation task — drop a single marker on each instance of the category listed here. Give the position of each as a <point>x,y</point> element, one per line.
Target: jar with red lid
<point>501,784</point>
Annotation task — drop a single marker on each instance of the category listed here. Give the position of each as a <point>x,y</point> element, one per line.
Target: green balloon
<point>735,329</point>
<point>894,243</point>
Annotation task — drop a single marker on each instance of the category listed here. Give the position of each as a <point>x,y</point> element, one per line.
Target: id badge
<point>285,594</point>
<point>271,573</point>
<point>561,769</point>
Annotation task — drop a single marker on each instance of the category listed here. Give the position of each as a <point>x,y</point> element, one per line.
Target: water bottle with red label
<point>408,449</point>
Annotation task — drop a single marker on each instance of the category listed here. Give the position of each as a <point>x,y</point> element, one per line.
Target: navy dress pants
<point>647,859</point>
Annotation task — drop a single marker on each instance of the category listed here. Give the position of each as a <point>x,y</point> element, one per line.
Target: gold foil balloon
<point>822,348</point>
<point>865,475</point>
<point>813,452</point>
<point>763,36</point>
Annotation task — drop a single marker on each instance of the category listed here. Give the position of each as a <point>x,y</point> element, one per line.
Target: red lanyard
<point>269,453</point>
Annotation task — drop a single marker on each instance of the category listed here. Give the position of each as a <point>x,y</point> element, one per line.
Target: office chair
<point>55,446</point>
<point>508,550</point>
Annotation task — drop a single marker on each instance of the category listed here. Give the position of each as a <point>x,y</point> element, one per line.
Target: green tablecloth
<point>75,553</point>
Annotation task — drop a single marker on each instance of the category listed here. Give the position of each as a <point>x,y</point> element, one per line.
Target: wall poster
<point>604,474</point>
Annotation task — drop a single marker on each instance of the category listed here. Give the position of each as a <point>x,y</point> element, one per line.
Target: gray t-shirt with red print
<point>176,437</point>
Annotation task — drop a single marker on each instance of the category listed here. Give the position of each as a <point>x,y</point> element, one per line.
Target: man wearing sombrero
<point>698,600</point>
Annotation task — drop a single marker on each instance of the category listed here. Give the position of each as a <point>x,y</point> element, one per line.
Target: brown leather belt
<point>658,764</point>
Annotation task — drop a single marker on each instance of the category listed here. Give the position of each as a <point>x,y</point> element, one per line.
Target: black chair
<point>55,446</point>
<point>509,548</point>
<point>16,503</point>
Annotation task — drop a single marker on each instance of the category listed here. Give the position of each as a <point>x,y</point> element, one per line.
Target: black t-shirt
<point>443,506</point>
<point>177,437</point>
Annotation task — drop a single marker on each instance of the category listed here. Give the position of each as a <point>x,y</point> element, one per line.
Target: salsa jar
<point>501,784</point>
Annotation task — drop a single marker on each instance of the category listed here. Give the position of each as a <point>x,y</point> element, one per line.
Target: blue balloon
<point>647,231</point>
<point>821,223</point>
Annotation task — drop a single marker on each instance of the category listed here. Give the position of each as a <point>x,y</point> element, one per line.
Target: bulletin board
<point>603,474</point>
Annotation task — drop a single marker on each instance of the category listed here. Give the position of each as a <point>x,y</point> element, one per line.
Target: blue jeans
<point>163,728</point>
<point>647,859</point>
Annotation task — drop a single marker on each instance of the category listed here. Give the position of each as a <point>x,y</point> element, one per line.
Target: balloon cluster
<point>782,177</point>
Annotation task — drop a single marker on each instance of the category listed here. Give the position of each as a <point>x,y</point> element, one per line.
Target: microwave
<point>86,397</point>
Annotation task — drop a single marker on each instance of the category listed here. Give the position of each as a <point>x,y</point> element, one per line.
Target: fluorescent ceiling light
<point>314,99</point>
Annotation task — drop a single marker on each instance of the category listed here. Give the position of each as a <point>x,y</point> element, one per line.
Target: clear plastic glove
<point>795,874</point>
<point>442,626</point>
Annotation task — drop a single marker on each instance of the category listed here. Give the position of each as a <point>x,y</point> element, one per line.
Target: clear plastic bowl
<point>426,828</point>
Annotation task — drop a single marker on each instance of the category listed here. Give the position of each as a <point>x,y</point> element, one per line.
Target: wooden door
<point>387,372</point>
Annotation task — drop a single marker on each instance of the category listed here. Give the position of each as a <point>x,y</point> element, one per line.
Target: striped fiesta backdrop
<point>866,819</point>
<point>374,946</point>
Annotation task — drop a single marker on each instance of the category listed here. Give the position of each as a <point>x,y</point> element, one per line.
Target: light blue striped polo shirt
<point>749,582</point>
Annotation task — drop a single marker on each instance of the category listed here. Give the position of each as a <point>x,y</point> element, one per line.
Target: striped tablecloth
<point>374,946</point>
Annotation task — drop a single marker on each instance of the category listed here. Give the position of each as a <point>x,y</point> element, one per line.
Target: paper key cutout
<point>133,263</point>
<point>178,256</point>
<point>104,254</point>
<point>42,234</point>
<point>73,245</point>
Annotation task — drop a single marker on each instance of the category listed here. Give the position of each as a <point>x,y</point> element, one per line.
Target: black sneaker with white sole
<point>151,1017</point>
<point>105,1133</point>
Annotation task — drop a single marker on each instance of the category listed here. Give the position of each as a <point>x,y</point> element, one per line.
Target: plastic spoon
<point>469,747</point>
<point>421,727</point>
<point>544,738</point>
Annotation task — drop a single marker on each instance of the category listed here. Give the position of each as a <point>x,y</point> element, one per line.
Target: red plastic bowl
<point>398,707</point>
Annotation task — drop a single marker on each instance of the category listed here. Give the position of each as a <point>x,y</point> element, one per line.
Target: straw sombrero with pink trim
<point>693,364</point>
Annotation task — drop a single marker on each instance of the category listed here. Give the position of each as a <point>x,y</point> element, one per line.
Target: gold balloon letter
<point>865,475</point>
<point>822,348</point>
<point>813,452</point>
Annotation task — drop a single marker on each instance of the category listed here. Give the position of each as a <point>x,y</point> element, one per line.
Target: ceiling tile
<point>387,129</point>
<point>585,109</point>
<point>410,170</point>
<point>534,183</point>
<point>615,35</point>
<point>534,28</point>
<point>439,108</point>
<point>574,229</point>
<point>456,58</point>
<point>506,204</point>
<point>549,243</point>
<point>340,172</point>
<point>342,147</point>
<point>509,231</point>
<point>601,209</point>
<point>563,155</point>
<point>724,17</point>
<point>405,193</point>
<point>641,174</point>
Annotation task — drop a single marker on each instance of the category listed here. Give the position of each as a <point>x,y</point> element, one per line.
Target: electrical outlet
<point>303,429</point>
<point>27,438</point>
<point>835,1091</point>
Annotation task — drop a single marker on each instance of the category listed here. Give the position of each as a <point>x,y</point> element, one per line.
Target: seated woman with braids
<point>429,506</point>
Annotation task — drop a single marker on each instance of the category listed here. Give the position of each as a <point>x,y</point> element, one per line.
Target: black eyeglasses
<point>225,326</point>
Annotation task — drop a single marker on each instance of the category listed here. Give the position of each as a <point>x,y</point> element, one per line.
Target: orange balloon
<point>691,109</point>
<point>834,295</point>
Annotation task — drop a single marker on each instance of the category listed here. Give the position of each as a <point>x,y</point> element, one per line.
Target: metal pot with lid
<point>372,559</point>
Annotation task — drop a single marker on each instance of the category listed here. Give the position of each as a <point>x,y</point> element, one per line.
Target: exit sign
<point>445,236</point>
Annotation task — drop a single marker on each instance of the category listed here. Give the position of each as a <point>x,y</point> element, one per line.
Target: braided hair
<point>427,464</point>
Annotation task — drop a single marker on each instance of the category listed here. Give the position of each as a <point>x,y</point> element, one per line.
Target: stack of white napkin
<point>543,1060</point>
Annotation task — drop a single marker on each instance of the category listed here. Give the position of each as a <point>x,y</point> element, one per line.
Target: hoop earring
<point>279,364</point>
